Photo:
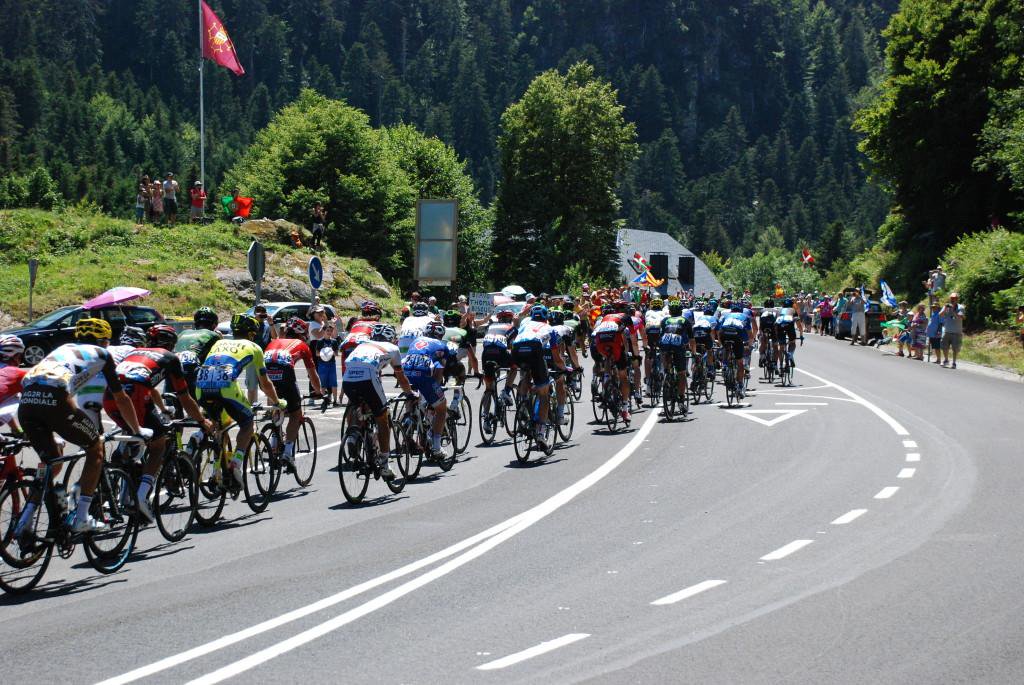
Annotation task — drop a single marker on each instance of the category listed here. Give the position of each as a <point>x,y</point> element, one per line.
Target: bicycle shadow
<point>534,463</point>
<point>226,524</point>
<point>374,502</point>
<point>55,588</point>
<point>284,495</point>
<point>158,551</point>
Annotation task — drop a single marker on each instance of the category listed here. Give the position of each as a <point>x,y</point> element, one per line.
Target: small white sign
<point>481,303</point>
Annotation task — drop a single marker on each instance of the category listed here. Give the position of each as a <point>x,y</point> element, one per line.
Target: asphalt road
<point>863,526</point>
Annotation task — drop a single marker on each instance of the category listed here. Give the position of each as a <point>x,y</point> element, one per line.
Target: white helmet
<point>10,345</point>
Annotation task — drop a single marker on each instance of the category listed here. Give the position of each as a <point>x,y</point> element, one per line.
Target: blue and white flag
<point>887,295</point>
<point>641,279</point>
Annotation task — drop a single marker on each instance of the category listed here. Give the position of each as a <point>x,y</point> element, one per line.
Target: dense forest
<point>743,109</point>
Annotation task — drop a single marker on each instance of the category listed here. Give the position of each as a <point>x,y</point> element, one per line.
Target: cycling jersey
<point>499,334</point>
<point>368,360</point>
<point>282,352</point>
<point>609,338</point>
<point>412,328</point>
<point>71,366</point>
<point>531,332</point>
<point>675,331</point>
<point>10,382</point>
<point>786,315</point>
<point>141,371</point>
<point>197,340</point>
<point>359,333</point>
<point>735,321</point>
<point>456,335</point>
<point>217,379</point>
<point>424,356</point>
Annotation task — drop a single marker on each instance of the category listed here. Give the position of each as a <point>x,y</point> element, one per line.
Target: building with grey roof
<point>681,269</point>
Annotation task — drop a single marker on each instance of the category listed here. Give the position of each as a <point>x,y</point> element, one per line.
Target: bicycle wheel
<point>271,432</point>
<point>305,452</point>
<point>488,418</point>
<point>509,410</point>
<point>400,462</point>
<point>210,493</point>
<point>449,441</point>
<point>113,502</point>
<point>729,379</point>
<point>612,405</point>
<point>522,433</point>
<point>668,401</point>
<point>577,387</point>
<point>684,397</point>
<point>353,473</point>
<point>463,425</point>
<point>565,430</point>
<point>31,556</point>
<point>657,382</point>
<point>257,474</point>
<point>175,497</point>
<point>597,403</point>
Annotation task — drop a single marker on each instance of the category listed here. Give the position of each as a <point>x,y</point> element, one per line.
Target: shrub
<point>987,270</point>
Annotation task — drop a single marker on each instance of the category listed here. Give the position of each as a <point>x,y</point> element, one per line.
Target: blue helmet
<point>709,310</point>
<point>539,312</point>
<point>788,302</point>
<point>736,307</point>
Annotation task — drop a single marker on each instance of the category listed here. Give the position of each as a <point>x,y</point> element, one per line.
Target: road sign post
<point>315,271</point>
<point>33,267</point>
<point>257,266</point>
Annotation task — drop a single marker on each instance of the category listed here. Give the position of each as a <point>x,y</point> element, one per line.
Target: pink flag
<point>217,43</point>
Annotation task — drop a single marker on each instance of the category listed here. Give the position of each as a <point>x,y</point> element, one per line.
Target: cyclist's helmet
<point>657,304</point>
<point>189,361</point>
<point>10,347</point>
<point>675,308</point>
<point>556,317</point>
<point>709,310</point>
<point>608,308</point>
<point>132,336</point>
<point>452,318</point>
<point>434,330</point>
<point>296,328</point>
<point>736,307</point>
<point>383,332</point>
<point>769,303</point>
<point>788,302</point>
<point>505,315</point>
<point>713,304</point>
<point>244,326</point>
<point>621,306</point>
<point>370,308</point>
<point>539,312</point>
<point>419,309</point>
<point>206,318</point>
<point>726,303</point>
<point>162,335</point>
<point>92,330</point>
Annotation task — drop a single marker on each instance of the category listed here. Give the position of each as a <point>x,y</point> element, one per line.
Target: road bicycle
<point>675,403</point>
<point>574,384</point>
<point>29,545</point>
<point>460,417</point>
<point>729,375</point>
<point>606,396</point>
<point>359,456</point>
<point>495,412</point>
<point>702,382</point>
<point>304,456</point>
<point>414,419</point>
<point>656,379</point>
<point>766,360</point>
<point>528,424</point>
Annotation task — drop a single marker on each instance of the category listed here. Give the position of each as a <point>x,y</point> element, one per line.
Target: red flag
<point>807,257</point>
<point>217,43</point>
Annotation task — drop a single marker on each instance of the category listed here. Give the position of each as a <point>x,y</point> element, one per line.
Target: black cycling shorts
<point>495,357</point>
<point>653,340</point>
<point>529,355</point>
<point>767,327</point>
<point>286,385</point>
<point>676,356</point>
<point>732,339</point>
<point>369,392</point>
<point>44,411</point>
<point>785,332</point>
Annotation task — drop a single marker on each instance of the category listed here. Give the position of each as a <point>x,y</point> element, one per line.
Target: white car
<point>280,312</point>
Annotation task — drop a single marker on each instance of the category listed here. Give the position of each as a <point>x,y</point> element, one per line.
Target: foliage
<point>575,275</point>
<point>760,272</point>
<point>715,262</point>
<point>987,270</point>
<point>563,147</point>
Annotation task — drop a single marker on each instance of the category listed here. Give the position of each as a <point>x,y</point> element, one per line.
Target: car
<point>873,319</point>
<point>280,312</point>
<point>58,327</point>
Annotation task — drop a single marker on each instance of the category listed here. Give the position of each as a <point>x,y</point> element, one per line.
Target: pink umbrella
<point>115,296</point>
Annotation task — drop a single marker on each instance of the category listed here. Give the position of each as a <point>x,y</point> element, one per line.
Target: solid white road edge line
<point>906,473</point>
<point>688,592</point>
<point>849,516</point>
<point>878,411</point>
<point>913,456</point>
<point>542,648</point>
<point>786,550</point>
<point>886,493</point>
<point>531,516</point>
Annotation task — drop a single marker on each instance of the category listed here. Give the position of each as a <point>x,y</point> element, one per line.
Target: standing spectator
<point>432,305</point>
<point>463,305</point>
<point>826,315</point>
<point>156,198</point>
<point>952,316</point>
<point>935,283</point>
<point>325,350</point>
<point>919,333</point>
<point>858,322</point>
<point>1020,323</point>
<point>145,187</point>
<point>934,332</point>
<point>903,338</point>
<point>319,319</point>
<point>171,199</point>
<point>197,202</point>
<point>141,196</point>
<point>319,221</point>
<point>267,330</point>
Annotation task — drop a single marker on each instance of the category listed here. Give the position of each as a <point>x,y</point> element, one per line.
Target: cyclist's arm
<point>127,409</point>
<point>557,359</point>
<point>306,355</point>
<point>158,400</point>
<point>260,367</point>
<point>403,382</point>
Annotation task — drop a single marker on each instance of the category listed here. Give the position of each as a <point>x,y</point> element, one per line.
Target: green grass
<point>999,349</point>
<point>82,254</point>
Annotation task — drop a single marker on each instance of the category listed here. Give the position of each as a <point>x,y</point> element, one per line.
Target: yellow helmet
<point>657,303</point>
<point>93,329</point>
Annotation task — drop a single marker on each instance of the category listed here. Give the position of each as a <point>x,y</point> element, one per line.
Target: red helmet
<point>505,315</point>
<point>297,326</point>
<point>370,308</point>
<point>162,335</point>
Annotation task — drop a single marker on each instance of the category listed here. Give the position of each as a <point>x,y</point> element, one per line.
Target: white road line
<point>688,592</point>
<point>476,545</point>
<point>786,550</point>
<point>849,516</point>
<point>801,404</point>
<point>913,456</point>
<point>874,408</point>
<point>909,444</point>
<point>886,493</point>
<point>542,648</point>
<point>906,473</point>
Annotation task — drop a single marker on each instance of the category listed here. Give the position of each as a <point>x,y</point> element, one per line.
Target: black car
<point>58,327</point>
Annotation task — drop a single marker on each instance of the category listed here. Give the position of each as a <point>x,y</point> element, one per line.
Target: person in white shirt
<point>171,199</point>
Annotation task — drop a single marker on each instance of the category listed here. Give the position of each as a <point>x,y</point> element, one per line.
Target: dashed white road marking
<point>913,456</point>
<point>542,648</point>
<point>786,550</point>
<point>906,473</point>
<point>886,493</point>
<point>688,592</point>
<point>909,444</point>
<point>849,516</point>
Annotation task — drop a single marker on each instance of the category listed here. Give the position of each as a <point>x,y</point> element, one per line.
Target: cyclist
<point>786,324</point>
<point>501,331</point>
<point>562,349</point>
<point>11,374</point>
<point>676,333</point>
<point>609,337</point>
<point>361,329</point>
<point>217,382</point>
<point>766,325</point>
<point>638,342</point>
<point>424,367</point>
<point>48,407</point>
<point>90,397</point>
<point>415,325</point>
<point>748,347</point>
<point>733,333</point>
<point>361,384</point>
<point>140,374</point>
<point>652,325</point>
<point>281,356</point>
<point>458,339</point>
<point>534,339</point>
<point>201,338</point>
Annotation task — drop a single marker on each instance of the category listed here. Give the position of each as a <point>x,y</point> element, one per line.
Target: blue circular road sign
<point>316,272</point>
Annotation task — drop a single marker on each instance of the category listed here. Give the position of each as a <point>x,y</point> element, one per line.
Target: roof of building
<point>631,241</point>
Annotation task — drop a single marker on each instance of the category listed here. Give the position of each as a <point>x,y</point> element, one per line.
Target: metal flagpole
<point>202,122</point>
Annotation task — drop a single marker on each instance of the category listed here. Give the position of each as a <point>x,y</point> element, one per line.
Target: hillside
<point>82,254</point>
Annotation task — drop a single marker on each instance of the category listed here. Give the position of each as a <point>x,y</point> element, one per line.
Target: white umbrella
<point>513,290</point>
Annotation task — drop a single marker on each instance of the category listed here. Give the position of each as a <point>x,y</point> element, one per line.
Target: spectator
<point>319,221</point>
<point>463,305</point>
<point>432,305</point>
<point>919,333</point>
<point>952,316</point>
<point>156,198</point>
<point>267,330</point>
<point>826,315</point>
<point>170,189</point>
<point>1020,323</point>
<point>145,188</point>
<point>935,283</point>
<point>903,338</point>
<point>934,332</point>
<point>319,321</point>
<point>858,323</point>
<point>141,197</point>
<point>197,202</point>
<point>325,349</point>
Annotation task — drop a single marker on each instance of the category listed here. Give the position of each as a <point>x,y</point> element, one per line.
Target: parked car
<point>280,312</point>
<point>873,319</point>
<point>58,327</point>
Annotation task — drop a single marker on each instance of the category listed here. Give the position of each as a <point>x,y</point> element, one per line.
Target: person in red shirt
<point>11,373</point>
<point>197,199</point>
<point>281,356</point>
<point>142,373</point>
<point>612,338</point>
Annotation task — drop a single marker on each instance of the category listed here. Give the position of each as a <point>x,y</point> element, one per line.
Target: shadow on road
<point>225,524</point>
<point>56,588</point>
<point>373,502</point>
